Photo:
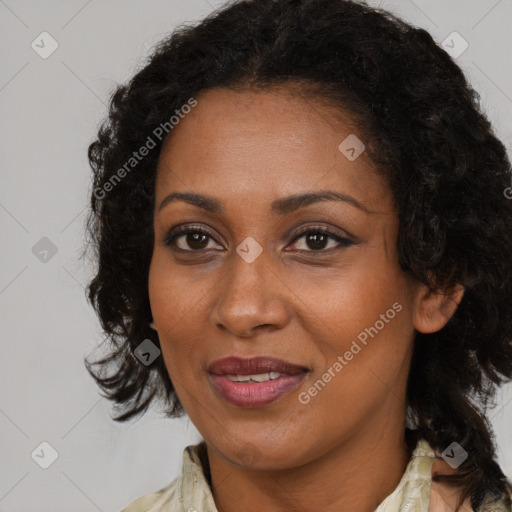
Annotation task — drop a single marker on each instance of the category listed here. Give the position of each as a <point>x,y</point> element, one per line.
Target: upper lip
<point>252,366</point>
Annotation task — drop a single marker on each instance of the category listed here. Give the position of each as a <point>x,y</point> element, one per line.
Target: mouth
<point>256,381</point>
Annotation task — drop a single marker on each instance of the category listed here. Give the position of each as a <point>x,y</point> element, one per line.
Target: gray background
<point>50,110</point>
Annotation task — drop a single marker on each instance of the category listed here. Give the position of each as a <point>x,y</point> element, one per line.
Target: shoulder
<point>154,501</point>
<point>190,487</point>
<point>444,498</point>
<point>501,503</point>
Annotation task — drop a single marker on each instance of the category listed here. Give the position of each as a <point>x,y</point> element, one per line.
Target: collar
<point>191,491</point>
<point>411,494</point>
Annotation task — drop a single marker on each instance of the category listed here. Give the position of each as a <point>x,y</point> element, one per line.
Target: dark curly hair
<point>426,133</point>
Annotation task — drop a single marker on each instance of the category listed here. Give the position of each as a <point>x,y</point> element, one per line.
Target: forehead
<point>241,144</point>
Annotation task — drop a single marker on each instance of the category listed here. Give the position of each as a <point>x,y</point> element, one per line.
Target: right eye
<point>188,239</point>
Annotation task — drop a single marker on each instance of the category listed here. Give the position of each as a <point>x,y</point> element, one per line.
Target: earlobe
<point>433,309</point>
<point>152,325</point>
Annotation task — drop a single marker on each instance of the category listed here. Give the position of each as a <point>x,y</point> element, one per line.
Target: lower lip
<point>244,394</point>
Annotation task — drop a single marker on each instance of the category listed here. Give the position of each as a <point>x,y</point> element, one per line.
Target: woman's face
<point>255,285</point>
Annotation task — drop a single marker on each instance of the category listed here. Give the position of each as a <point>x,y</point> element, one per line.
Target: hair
<point>425,131</point>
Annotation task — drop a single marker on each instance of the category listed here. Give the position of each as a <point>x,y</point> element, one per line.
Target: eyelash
<point>344,242</point>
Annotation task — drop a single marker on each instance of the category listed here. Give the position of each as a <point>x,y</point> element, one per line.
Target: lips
<point>254,365</point>
<point>255,382</point>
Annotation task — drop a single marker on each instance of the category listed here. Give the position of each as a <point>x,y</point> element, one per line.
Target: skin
<point>345,449</point>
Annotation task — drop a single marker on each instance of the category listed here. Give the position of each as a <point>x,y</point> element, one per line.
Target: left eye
<point>317,240</point>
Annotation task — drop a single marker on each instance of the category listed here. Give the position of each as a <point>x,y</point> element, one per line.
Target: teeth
<point>242,378</point>
<point>260,377</point>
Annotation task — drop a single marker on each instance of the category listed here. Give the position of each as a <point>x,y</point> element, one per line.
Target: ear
<point>152,325</point>
<point>433,309</point>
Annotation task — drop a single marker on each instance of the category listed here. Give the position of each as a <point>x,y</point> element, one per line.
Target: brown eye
<point>189,239</point>
<point>317,240</point>
<point>195,240</point>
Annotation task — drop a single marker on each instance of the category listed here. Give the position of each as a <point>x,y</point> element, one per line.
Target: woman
<point>303,242</point>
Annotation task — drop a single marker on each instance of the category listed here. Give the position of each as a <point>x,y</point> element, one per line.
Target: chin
<point>262,454</point>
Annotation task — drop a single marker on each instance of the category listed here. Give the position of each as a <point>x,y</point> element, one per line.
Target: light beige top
<point>190,491</point>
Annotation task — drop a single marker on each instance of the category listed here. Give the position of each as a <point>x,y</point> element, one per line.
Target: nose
<point>251,298</point>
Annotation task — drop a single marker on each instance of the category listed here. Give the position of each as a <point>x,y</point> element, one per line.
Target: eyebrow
<point>281,206</point>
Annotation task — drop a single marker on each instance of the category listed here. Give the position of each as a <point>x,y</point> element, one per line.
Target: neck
<point>356,475</point>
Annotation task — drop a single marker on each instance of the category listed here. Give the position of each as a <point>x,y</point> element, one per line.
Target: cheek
<point>364,367</point>
<point>175,308</point>
<point>345,299</point>
<point>168,298</point>
<point>362,314</point>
